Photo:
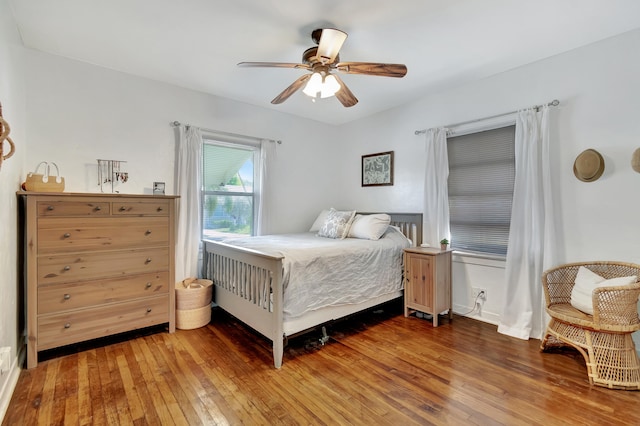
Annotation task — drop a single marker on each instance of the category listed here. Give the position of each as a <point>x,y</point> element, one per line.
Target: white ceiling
<point>196,44</point>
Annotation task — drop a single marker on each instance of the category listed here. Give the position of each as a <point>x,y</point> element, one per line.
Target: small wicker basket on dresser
<point>96,265</point>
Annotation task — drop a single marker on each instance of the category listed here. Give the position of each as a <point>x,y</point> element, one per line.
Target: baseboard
<point>482,315</point>
<point>8,387</point>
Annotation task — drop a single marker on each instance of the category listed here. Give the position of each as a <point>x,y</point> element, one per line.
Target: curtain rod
<point>554,102</point>
<point>235,135</point>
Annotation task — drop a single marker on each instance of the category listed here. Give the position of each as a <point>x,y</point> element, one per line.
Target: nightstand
<point>427,281</point>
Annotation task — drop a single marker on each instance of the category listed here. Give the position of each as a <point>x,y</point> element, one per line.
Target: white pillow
<point>322,217</point>
<point>337,224</point>
<point>369,227</point>
<point>587,281</point>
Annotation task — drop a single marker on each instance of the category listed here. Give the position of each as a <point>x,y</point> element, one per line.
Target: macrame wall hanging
<point>4,137</point>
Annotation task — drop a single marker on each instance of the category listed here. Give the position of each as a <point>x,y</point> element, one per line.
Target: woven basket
<point>193,318</point>
<point>193,293</point>
<point>44,182</point>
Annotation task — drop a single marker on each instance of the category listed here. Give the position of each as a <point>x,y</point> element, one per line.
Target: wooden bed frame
<point>248,285</point>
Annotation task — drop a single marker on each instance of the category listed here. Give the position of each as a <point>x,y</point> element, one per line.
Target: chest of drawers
<point>96,265</point>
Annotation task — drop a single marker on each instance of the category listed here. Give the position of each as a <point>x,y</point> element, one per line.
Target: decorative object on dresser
<point>95,265</point>
<point>444,243</point>
<point>44,182</point>
<point>427,281</point>
<point>111,174</point>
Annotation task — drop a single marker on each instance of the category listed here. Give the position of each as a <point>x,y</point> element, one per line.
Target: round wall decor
<point>589,165</point>
<point>635,160</point>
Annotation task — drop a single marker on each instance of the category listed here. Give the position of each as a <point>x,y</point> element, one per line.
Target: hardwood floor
<point>378,368</point>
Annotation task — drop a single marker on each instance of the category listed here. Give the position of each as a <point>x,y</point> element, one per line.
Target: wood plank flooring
<point>378,368</point>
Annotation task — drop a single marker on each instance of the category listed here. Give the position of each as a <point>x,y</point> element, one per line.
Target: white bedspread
<point>320,272</point>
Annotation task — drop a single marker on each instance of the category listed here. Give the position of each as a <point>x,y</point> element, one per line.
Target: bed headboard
<point>409,223</point>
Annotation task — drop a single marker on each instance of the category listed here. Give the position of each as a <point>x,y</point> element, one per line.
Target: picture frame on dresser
<point>95,265</point>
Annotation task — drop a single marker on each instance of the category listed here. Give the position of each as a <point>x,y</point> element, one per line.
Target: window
<point>229,183</point>
<point>480,184</point>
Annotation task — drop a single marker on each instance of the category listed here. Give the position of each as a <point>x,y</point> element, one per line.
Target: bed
<point>282,285</point>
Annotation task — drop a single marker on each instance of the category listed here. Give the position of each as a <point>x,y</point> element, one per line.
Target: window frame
<point>255,148</point>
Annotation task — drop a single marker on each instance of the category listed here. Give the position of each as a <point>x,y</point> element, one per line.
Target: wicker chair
<point>604,338</point>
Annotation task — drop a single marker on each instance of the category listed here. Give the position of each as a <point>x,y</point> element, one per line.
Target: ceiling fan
<point>323,61</point>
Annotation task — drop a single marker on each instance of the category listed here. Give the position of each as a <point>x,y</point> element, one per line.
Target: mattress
<point>323,272</point>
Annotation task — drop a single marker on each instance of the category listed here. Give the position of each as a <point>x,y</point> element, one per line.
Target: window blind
<point>481,179</point>
<point>221,163</point>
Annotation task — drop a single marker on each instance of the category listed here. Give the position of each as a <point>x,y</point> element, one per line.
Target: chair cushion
<point>586,281</point>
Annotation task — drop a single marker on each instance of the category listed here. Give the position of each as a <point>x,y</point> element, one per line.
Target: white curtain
<point>267,156</point>
<point>532,228</point>
<point>436,193</point>
<point>188,184</point>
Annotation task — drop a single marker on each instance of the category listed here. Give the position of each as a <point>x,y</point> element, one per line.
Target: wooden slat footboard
<point>248,285</point>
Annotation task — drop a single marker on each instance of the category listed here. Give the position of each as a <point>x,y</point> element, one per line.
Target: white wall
<point>599,90</point>
<point>78,113</point>
<point>13,111</point>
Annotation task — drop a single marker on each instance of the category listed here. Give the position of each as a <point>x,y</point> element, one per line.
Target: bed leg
<point>325,337</point>
<point>278,350</point>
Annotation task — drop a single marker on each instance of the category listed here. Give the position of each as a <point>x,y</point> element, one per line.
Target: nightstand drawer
<point>75,326</point>
<point>63,297</point>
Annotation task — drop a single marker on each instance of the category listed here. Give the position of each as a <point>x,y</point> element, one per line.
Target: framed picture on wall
<point>377,169</point>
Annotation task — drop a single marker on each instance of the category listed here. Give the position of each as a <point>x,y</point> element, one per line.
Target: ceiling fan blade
<point>344,95</point>
<point>330,43</point>
<point>273,65</point>
<point>293,88</point>
<point>372,68</point>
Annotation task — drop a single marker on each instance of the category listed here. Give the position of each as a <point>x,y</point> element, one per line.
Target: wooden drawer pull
<point>67,235</point>
<point>148,260</point>
<point>50,208</point>
<point>148,310</point>
<point>67,296</point>
<point>147,232</point>
<point>67,325</point>
<point>148,285</point>
<point>98,208</point>
<point>159,209</point>
<point>67,268</point>
<point>123,208</point>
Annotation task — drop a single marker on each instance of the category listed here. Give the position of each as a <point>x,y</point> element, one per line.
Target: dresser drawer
<point>73,208</point>
<point>75,326</point>
<point>59,235</point>
<point>53,298</point>
<point>84,266</point>
<point>141,208</point>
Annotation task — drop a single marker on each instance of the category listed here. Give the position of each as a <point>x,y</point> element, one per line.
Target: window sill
<point>492,260</point>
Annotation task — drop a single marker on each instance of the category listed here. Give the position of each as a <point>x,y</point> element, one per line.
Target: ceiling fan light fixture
<point>321,85</point>
<point>314,85</point>
<point>329,87</point>
<point>331,41</point>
